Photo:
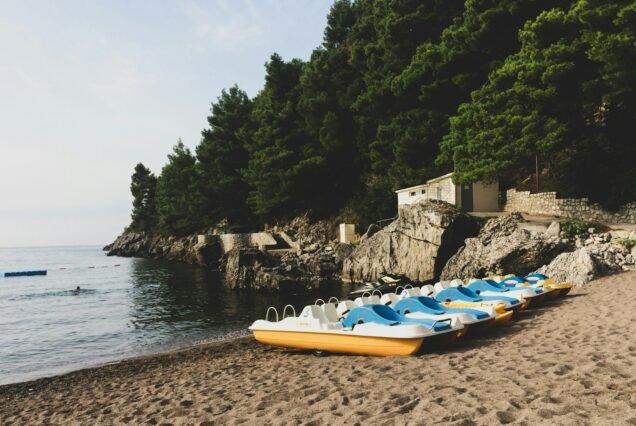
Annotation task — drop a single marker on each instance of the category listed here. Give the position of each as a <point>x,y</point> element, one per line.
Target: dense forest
<point>401,91</point>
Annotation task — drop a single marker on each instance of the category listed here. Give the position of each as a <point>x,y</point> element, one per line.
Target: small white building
<point>473,197</point>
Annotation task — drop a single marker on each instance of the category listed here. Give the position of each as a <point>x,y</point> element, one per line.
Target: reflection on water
<point>126,307</point>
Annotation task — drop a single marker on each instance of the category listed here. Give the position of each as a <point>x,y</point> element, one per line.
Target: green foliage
<point>570,228</point>
<point>178,193</point>
<point>567,97</point>
<point>404,90</point>
<point>222,154</point>
<point>143,187</point>
<point>277,155</point>
<point>628,243</point>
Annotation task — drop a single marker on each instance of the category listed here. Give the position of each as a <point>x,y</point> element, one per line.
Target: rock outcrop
<point>186,249</point>
<point>595,255</point>
<point>314,262</point>
<point>503,247</point>
<point>417,244</point>
<point>577,267</point>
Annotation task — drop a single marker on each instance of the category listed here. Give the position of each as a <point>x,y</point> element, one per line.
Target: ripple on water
<point>138,307</point>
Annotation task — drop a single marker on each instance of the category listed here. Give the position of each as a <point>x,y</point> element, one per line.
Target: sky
<point>90,88</point>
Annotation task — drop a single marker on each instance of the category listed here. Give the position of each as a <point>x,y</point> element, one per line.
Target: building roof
<point>437,179</point>
<point>424,185</point>
<point>411,188</point>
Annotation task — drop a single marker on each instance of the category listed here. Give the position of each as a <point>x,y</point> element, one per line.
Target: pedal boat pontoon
<point>365,330</point>
<point>549,284</point>
<point>458,327</point>
<point>412,304</point>
<point>462,299</point>
<point>448,330</point>
<point>529,296</point>
<point>515,282</point>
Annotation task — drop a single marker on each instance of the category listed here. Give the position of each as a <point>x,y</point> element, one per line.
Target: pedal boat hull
<point>339,343</point>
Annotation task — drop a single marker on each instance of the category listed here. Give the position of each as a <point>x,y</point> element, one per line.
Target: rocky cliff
<point>503,247</point>
<point>417,244</point>
<point>185,249</point>
<point>314,262</point>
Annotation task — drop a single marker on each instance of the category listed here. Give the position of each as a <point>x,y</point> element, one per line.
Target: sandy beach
<point>569,362</point>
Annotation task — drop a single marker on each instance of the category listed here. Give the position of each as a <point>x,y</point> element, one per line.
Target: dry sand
<point>571,362</point>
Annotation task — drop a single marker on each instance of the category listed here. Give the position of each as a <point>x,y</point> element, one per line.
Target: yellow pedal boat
<point>319,328</point>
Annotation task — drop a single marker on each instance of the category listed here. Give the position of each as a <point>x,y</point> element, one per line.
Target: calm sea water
<point>126,307</point>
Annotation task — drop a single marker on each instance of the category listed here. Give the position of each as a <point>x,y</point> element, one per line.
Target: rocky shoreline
<point>426,242</point>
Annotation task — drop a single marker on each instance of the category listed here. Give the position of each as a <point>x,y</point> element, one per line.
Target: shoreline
<point>570,362</point>
<point>128,359</point>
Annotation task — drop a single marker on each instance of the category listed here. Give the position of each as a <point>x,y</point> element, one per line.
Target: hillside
<point>401,91</point>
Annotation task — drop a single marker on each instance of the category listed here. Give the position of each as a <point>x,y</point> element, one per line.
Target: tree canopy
<point>400,91</point>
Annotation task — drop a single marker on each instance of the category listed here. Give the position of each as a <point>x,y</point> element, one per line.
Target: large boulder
<point>577,267</point>
<point>417,244</point>
<point>503,247</point>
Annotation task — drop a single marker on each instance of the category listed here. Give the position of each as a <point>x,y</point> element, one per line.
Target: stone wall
<point>254,240</point>
<point>547,204</point>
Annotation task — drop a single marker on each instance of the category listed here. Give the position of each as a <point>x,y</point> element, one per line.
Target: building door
<point>467,197</point>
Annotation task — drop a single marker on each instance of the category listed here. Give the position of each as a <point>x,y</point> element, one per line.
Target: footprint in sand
<point>563,369</point>
<point>587,384</point>
<point>545,413</point>
<point>408,407</point>
<point>505,417</point>
<point>186,403</point>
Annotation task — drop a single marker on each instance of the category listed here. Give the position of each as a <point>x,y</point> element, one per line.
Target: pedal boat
<point>361,335</point>
<point>514,282</point>
<point>462,298</point>
<point>412,304</point>
<point>527,295</point>
<point>458,327</point>
<point>445,330</point>
<point>548,283</point>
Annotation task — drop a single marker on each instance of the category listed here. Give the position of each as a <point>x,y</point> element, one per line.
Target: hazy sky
<point>90,88</point>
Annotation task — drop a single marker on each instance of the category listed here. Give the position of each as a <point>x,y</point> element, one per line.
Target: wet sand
<point>570,362</point>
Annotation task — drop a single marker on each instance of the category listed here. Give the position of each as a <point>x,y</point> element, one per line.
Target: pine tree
<point>179,194</point>
<point>222,154</point>
<point>143,187</point>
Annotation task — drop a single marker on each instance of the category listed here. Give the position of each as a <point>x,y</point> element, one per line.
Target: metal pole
<point>536,169</point>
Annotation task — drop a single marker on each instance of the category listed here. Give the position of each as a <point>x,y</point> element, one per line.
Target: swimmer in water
<point>77,290</point>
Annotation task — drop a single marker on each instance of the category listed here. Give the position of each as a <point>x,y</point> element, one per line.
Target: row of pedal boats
<point>399,323</point>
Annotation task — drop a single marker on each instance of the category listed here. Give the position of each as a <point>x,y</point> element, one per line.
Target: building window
<point>423,191</point>
<point>439,192</point>
<point>413,194</point>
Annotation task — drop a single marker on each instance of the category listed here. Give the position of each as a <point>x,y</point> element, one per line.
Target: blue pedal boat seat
<point>513,283</point>
<point>428,305</point>
<point>491,285</point>
<point>382,314</point>
<point>467,295</point>
<point>535,277</point>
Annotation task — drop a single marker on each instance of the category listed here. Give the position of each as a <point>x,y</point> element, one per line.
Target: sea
<point>125,307</point>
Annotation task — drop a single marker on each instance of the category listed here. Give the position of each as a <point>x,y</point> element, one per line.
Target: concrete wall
<point>485,197</point>
<point>443,190</point>
<point>405,197</point>
<point>258,239</point>
<point>547,204</point>
<point>347,233</point>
